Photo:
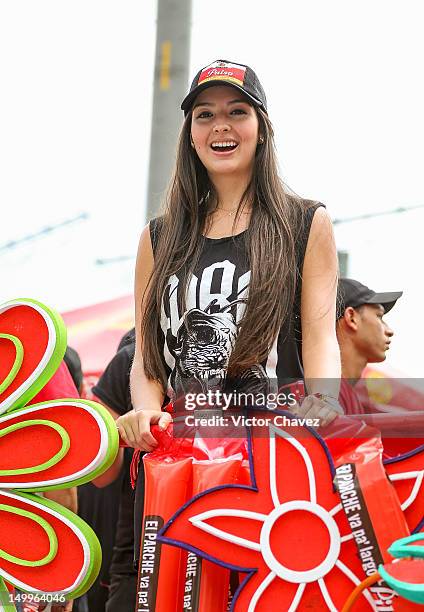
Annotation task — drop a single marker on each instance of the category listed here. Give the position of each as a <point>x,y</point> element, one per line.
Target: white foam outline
<point>418,475</point>
<point>199,522</point>
<point>297,598</point>
<point>51,343</point>
<point>304,454</point>
<point>346,538</point>
<point>296,576</point>
<point>326,595</point>
<point>336,509</point>
<point>259,591</point>
<point>348,572</point>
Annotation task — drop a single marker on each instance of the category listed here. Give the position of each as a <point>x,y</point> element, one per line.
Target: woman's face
<point>224,129</point>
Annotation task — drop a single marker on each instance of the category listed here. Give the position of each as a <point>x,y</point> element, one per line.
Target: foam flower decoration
<point>407,475</point>
<point>54,444</point>
<point>288,531</point>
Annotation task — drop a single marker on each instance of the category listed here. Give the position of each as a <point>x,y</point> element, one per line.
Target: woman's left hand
<point>314,407</point>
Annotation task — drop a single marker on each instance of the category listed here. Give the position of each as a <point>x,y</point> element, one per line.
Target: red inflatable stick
<point>168,578</point>
<point>207,584</point>
<point>168,476</point>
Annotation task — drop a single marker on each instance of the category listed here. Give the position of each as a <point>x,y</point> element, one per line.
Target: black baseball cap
<point>224,72</point>
<point>353,293</point>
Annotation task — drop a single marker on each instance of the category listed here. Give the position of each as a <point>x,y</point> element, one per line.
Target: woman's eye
<point>238,111</point>
<point>204,115</point>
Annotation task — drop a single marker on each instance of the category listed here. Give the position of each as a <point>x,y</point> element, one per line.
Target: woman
<point>236,283</point>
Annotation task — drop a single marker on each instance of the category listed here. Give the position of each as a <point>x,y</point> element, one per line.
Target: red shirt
<point>60,386</point>
<point>348,399</point>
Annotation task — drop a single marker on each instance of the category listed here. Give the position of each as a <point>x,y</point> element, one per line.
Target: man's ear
<point>351,318</point>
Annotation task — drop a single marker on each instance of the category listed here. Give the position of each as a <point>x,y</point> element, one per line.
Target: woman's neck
<point>226,216</point>
<point>229,191</point>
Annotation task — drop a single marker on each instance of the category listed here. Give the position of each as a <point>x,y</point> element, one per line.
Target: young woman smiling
<point>236,281</point>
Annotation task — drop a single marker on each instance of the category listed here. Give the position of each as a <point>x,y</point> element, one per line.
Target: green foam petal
<point>5,597</point>
<point>19,357</point>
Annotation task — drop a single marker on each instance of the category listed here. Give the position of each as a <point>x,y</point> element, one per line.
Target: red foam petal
<point>34,445</point>
<point>414,513</point>
<point>182,530</point>
<point>339,585</point>
<point>278,595</point>
<point>292,477</point>
<point>30,327</point>
<point>32,544</point>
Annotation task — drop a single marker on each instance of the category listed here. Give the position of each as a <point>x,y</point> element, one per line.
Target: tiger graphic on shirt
<point>199,341</point>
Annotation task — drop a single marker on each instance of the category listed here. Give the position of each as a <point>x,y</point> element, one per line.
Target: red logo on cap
<point>222,71</point>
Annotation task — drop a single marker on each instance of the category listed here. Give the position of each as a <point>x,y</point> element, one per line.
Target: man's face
<point>373,334</point>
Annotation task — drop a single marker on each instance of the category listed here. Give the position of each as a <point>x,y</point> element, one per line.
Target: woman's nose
<point>221,127</point>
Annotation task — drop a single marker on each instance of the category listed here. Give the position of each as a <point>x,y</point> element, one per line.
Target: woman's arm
<point>320,349</point>
<point>146,395</point>
<point>65,497</point>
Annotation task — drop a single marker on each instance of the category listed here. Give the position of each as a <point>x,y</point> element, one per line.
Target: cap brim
<point>189,99</point>
<point>387,300</point>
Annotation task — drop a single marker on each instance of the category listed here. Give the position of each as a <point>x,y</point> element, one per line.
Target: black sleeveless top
<point>196,344</point>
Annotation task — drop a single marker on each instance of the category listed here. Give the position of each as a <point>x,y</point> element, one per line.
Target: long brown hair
<point>275,227</point>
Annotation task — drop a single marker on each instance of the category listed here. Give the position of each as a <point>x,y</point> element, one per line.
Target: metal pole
<point>170,86</point>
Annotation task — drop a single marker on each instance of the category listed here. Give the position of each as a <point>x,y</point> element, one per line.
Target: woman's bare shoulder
<point>145,259</point>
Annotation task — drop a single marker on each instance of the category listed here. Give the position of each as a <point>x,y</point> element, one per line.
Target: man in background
<point>363,335</point>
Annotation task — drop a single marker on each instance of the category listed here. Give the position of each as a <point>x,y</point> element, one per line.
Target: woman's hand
<point>134,427</point>
<point>314,407</point>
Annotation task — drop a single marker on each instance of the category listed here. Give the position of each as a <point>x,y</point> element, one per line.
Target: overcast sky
<point>344,86</point>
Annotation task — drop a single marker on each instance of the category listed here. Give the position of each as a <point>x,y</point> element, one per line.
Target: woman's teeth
<point>224,145</point>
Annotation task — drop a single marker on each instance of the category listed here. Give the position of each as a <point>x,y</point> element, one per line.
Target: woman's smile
<point>224,147</point>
